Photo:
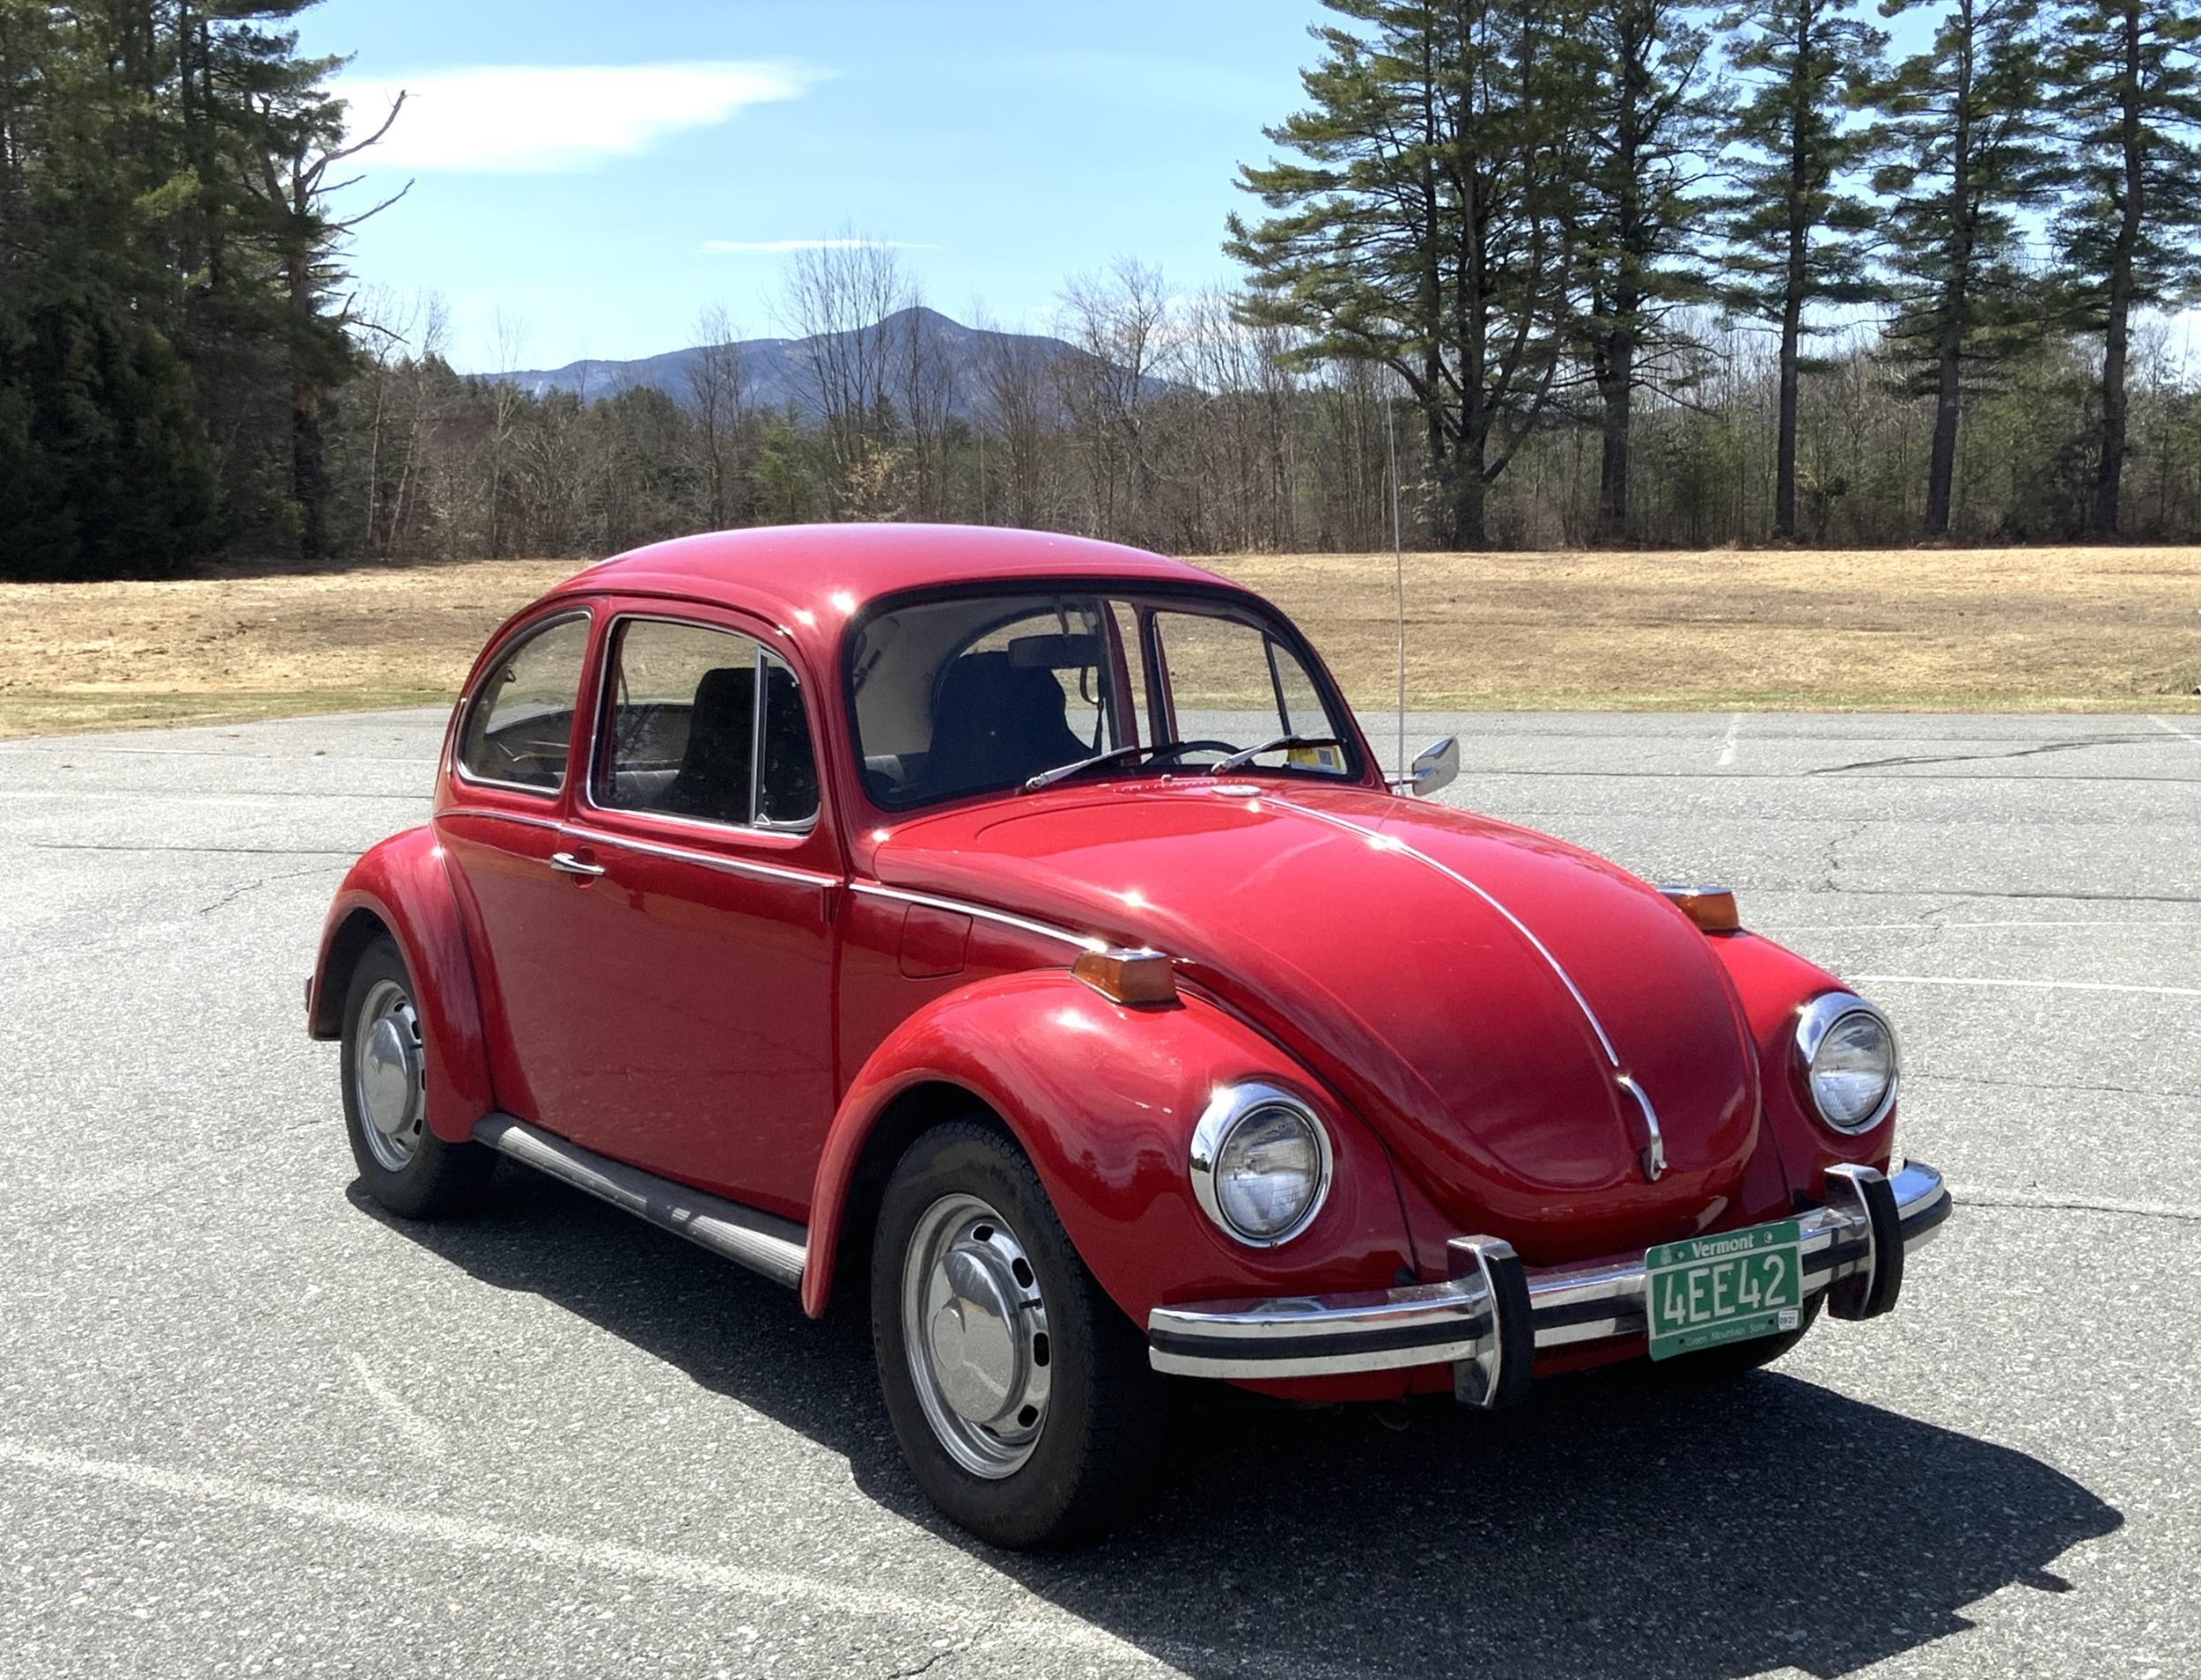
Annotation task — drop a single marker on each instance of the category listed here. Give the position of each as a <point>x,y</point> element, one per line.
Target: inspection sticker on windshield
<point>1713,1290</point>
<point>1327,758</point>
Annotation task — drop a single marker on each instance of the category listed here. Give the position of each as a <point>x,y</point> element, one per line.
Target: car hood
<point>1472,989</point>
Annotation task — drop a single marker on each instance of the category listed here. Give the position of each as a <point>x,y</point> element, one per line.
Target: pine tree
<point>172,272</point>
<point>108,466</point>
<point>1966,120</point>
<point>1424,230</point>
<point>1795,217</point>
<point>1651,130</point>
<point>290,135</point>
<point>2129,90</point>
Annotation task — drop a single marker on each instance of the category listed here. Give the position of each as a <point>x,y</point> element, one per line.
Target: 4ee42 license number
<point>1713,1290</point>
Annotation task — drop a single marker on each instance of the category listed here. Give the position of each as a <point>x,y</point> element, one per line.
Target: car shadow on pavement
<point>1609,1531</point>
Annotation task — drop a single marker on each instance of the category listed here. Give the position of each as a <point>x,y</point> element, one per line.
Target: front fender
<point>403,885</point>
<point>1774,984</point>
<point>1103,1099</point>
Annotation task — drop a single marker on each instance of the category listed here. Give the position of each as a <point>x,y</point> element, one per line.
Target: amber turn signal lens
<point>1710,908</point>
<point>1128,976</point>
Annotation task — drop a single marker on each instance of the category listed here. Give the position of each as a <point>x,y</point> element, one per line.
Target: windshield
<point>987,692</point>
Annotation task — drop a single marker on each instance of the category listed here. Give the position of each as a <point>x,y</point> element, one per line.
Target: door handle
<point>566,864</point>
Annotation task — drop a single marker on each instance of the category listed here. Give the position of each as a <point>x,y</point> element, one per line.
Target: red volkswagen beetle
<point>1019,929</point>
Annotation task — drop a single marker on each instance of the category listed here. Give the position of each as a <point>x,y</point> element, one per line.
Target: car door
<point>501,826</point>
<point>698,1037</point>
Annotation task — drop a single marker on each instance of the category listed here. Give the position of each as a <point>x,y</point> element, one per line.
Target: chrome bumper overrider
<point>1489,1321</point>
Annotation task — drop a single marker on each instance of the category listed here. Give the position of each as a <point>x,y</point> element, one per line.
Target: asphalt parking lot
<point>249,1425</point>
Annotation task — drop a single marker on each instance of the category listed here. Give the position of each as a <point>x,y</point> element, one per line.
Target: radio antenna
<point>1398,559</point>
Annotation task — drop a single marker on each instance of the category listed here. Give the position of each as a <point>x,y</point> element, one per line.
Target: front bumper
<point>1495,1315</point>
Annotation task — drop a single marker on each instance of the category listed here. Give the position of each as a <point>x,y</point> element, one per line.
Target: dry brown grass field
<point>2006,630</point>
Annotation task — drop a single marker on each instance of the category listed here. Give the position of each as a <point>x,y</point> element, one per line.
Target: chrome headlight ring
<point>1813,1022</point>
<point>1230,1109</point>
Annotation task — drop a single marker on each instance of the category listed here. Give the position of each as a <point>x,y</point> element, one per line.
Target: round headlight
<point>1846,1051</point>
<point>1260,1163</point>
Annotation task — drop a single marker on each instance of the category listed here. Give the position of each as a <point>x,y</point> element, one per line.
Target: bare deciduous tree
<point>840,296</point>
<point>718,398</point>
<point>1116,321</point>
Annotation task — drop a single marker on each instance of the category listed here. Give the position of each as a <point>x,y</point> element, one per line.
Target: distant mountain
<point>776,372</point>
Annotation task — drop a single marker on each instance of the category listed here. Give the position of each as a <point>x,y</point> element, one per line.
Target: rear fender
<point>402,888</point>
<point>1103,1099</point>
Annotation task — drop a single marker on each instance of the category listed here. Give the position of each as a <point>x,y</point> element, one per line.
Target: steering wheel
<point>1175,748</point>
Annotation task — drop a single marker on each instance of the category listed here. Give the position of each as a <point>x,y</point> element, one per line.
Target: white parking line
<point>423,1434</point>
<point>2189,739</point>
<point>1728,742</point>
<point>599,1557</point>
<point>2026,985</point>
<point>1054,1630</point>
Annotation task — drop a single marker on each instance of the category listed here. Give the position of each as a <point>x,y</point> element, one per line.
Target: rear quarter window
<point>520,721</point>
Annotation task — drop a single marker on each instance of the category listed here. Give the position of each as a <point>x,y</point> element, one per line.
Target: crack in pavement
<point>2027,1201</point>
<point>1974,758</point>
<point>1913,1078</point>
<point>2026,895</point>
<point>236,893</point>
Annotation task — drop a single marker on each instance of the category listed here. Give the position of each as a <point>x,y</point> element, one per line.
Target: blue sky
<point>598,174</point>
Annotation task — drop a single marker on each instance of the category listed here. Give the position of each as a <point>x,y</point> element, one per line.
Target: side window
<point>521,718</point>
<point>707,724</point>
<point>1231,681</point>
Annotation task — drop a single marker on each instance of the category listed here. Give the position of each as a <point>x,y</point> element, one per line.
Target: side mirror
<point>1438,767</point>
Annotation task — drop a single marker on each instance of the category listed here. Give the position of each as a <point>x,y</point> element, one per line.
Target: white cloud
<point>553,119</point>
<point>781,247</point>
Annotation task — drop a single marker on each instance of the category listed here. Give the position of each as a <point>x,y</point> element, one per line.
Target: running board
<point>760,1241</point>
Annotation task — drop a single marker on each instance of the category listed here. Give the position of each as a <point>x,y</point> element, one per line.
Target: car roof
<point>823,574</point>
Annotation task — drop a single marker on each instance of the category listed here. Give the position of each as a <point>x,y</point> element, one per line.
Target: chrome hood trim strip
<point>1383,842</point>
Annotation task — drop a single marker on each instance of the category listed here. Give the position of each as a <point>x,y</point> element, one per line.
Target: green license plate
<point>1712,1290</point>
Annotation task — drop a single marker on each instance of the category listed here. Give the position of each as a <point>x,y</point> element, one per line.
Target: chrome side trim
<point>706,860</point>
<point>774,1247</point>
<point>1449,1323</point>
<point>584,835</point>
<point>1023,923</point>
<point>492,814</point>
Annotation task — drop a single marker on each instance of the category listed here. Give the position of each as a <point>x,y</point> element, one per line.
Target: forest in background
<point>1620,271</point>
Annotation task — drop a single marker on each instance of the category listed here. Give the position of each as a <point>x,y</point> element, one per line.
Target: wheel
<point>1716,1366</point>
<point>1022,1396</point>
<point>404,1166</point>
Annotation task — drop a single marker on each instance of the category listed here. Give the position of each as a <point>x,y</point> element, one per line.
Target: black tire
<point>1716,1366</point>
<point>1092,1460</point>
<point>437,1180</point>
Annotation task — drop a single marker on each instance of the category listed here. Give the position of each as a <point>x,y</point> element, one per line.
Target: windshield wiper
<point>1239,760</point>
<point>1064,772</point>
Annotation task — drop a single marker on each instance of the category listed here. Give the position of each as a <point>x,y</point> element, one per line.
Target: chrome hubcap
<point>387,1075</point>
<point>975,1328</point>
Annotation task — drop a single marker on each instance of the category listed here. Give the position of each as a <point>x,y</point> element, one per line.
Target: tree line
<point>171,314</point>
<point>1518,206</point>
<point>1178,426</point>
<point>1593,270</point>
